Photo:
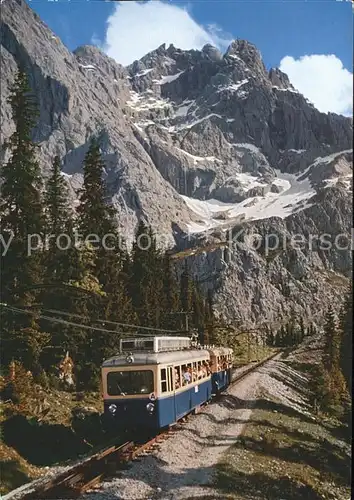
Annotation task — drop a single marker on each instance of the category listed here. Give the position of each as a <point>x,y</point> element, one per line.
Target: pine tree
<point>169,294</point>
<point>95,214</point>
<point>22,220</point>
<point>146,283</point>
<point>118,305</point>
<point>59,261</point>
<point>185,289</point>
<point>197,304</point>
<point>346,343</point>
<point>270,337</point>
<point>209,336</point>
<point>331,350</point>
<point>283,337</point>
<point>85,345</point>
<point>21,205</point>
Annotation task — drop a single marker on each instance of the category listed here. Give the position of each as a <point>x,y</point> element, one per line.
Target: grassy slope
<point>44,437</point>
<point>286,455</point>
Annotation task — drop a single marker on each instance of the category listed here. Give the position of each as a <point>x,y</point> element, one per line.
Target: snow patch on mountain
<point>197,159</point>
<point>295,196</point>
<point>234,86</point>
<point>329,158</point>
<point>141,102</point>
<point>168,78</point>
<point>143,72</point>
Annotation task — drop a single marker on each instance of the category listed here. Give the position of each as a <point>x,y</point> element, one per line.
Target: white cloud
<point>136,28</point>
<point>323,80</point>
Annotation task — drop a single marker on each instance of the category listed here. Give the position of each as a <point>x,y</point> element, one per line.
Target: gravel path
<point>184,465</point>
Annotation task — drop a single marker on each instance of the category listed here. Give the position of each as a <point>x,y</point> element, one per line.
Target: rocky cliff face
<point>202,145</point>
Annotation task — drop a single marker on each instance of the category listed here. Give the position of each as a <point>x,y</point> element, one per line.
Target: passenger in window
<point>207,367</point>
<point>187,377</point>
<point>177,380</point>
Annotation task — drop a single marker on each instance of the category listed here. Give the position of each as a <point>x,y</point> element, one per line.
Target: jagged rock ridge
<point>203,143</point>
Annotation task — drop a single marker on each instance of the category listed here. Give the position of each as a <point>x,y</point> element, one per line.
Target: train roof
<point>155,344</point>
<point>156,358</point>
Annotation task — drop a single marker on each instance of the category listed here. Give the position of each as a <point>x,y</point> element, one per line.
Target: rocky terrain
<point>204,146</point>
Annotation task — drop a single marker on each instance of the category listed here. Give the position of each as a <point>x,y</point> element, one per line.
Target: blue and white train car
<point>154,382</point>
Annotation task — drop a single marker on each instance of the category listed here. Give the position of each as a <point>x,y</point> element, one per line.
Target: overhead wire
<point>150,328</point>
<point>81,326</point>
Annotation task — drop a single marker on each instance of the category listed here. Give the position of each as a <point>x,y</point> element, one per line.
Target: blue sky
<point>293,28</point>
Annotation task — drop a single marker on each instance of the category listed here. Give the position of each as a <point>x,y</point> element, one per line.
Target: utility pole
<point>186,318</point>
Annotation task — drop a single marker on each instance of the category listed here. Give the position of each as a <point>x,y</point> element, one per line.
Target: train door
<point>171,385</point>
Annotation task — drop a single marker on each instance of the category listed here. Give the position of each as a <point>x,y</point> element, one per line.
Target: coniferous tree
<point>84,345</point>
<point>209,337</point>
<point>331,350</point>
<point>283,336</point>
<point>270,337</point>
<point>95,214</point>
<point>185,290</point>
<point>146,280</point>
<point>198,318</point>
<point>346,341</point>
<point>22,220</point>
<point>155,266</point>
<point>169,294</point>
<point>60,254</point>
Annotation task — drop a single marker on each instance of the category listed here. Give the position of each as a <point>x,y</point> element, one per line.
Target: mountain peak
<point>243,48</point>
<point>280,79</point>
<point>248,53</point>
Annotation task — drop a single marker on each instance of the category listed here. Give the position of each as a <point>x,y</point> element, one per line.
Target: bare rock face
<point>81,95</point>
<point>202,145</point>
<point>280,79</point>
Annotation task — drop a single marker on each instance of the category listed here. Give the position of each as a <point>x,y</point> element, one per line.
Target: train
<point>155,381</point>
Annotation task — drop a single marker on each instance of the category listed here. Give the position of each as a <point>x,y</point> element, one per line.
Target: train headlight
<point>112,409</point>
<point>150,407</point>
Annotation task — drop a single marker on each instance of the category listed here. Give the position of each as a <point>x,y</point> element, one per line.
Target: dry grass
<point>287,454</point>
<point>281,456</point>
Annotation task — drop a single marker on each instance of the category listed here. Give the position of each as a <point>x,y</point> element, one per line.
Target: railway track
<point>242,375</point>
<point>86,475</point>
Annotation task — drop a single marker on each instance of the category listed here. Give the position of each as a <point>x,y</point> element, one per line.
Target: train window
<point>177,377</point>
<point>195,371</point>
<point>187,374</point>
<point>130,382</point>
<point>190,371</point>
<point>163,380</point>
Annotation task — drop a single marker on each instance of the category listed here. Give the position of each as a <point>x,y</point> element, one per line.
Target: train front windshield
<point>130,383</point>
